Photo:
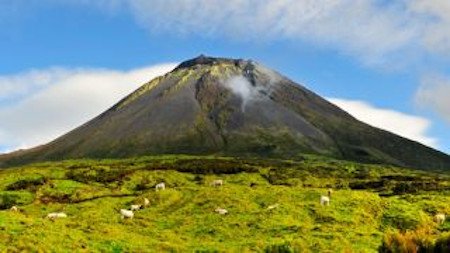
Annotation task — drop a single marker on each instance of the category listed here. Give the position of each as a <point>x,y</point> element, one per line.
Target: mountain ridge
<point>233,107</point>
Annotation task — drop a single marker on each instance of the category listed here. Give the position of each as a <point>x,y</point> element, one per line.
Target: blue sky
<point>65,61</point>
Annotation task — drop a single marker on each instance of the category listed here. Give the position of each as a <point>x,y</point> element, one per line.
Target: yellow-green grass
<point>182,218</point>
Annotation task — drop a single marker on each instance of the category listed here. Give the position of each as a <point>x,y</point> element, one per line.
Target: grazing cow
<point>329,192</point>
<point>126,214</point>
<point>135,207</point>
<point>273,206</point>
<point>160,186</point>
<point>324,200</point>
<point>146,202</point>
<point>439,218</point>
<point>14,209</point>
<point>221,211</point>
<point>54,216</point>
<point>217,182</point>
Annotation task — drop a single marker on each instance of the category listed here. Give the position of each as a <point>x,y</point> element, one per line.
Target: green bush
<point>403,188</point>
<point>421,240</point>
<point>55,197</point>
<point>206,166</point>
<point>206,251</point>
<point>144,184</point>
<point>279,248</point>
<point>101,175</point>
<point>403,215</point>
<point>442,245</point>
<point>402,221</point>
<point>7,200</point>
<point>363,185</point>
<point>26,184</point>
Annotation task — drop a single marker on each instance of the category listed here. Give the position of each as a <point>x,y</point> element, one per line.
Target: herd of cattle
<point>439,218</point>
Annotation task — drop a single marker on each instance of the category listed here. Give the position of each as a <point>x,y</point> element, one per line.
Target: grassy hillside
<point>370,204</point>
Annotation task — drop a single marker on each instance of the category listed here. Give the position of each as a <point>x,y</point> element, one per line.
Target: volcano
<point>230,107</point>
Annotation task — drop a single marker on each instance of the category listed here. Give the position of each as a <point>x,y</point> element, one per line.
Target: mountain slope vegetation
<point>230,107</point>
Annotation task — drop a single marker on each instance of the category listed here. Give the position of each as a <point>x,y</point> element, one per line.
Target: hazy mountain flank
<point>234,108</point>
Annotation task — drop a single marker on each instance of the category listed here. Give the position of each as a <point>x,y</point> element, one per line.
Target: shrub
<point>442,244</point>
<point>363,184</point>
<point>403,188</point>
<point>275,177</point>
<point>26,184</point>
<point>395,242</point>
<point>8,200</point>
<point>101,175</point>
<point>403,216</point>
<point>363,173</point>
<point>199,179</point>
<point>55,197</point>
<point>144,184</point>
<point>279,248</point>
<point>206,166</point>
<point>206,251</point>
<point>421,240</point>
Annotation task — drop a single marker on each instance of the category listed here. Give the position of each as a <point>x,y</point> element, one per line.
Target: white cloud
<point>372,30</point>
<point>408,126</point>
<point>433,93</point>
<point>54,101</point>
<point>360,27</point>
<point>240,86</point>
<point>14,86</point>
<point>435,26</point>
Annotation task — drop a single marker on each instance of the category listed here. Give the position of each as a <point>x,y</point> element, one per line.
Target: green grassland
<point>369,203</point>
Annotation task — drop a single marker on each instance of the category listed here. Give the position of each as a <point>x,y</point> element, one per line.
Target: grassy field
<point>370,205</point>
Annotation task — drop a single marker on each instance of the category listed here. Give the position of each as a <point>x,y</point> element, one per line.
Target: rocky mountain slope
<point>235,108</point>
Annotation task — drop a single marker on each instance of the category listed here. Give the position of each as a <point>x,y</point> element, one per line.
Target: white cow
<point>14,209</point>
<point>135,207</point>
<point>53,216</point>
<point>126,214</point>
<point>439,218</point>
<point>160,186</point>
<point>221,211</point>
<point>324,200</point>
<point>146,202</point>
<point>217,182</point>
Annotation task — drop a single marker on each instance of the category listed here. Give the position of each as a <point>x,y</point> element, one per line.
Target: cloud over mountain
<point>409,126</point>
<point>39,105</point>
<point>433,94</point>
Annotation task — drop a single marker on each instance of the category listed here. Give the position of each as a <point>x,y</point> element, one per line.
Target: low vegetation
<point>372,208</point>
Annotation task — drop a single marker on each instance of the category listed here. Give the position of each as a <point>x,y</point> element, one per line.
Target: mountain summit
<point>230,107</point>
